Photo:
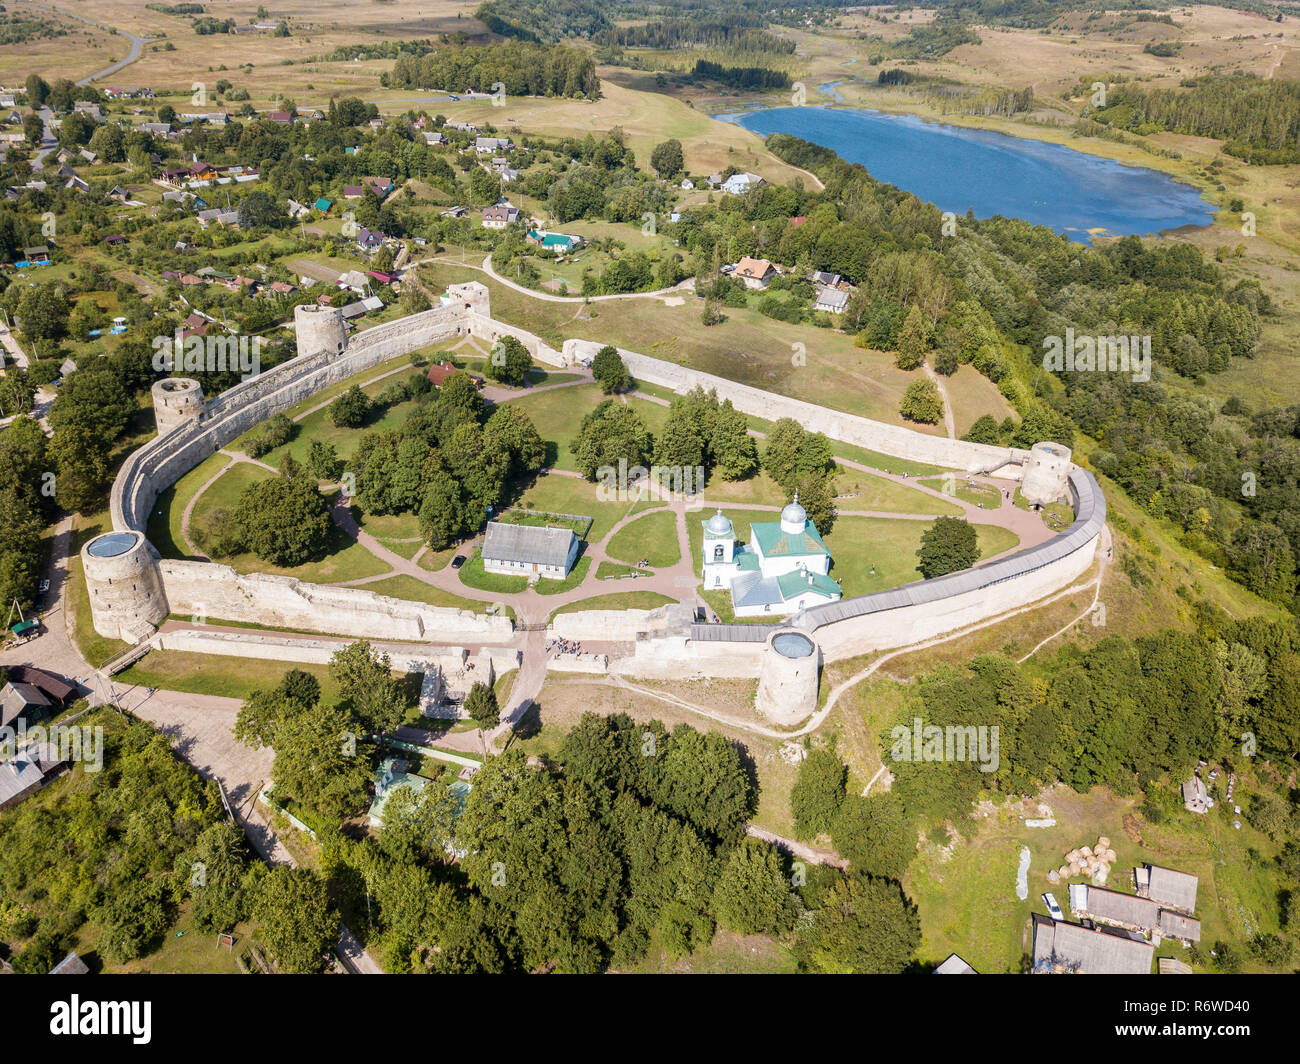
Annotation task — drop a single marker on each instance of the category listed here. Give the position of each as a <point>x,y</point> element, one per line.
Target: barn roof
<point>532,544</point>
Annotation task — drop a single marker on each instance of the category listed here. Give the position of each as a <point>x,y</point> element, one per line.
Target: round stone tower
<point>127,600</point>
<point>320,330</point>
<point>1045,477</point>
<point>175,401</point>
<point>787,677</point>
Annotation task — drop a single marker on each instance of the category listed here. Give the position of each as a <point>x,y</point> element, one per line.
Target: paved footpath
<point>199,726</point>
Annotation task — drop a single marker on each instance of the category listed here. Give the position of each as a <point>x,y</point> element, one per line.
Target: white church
<point>782,570</point>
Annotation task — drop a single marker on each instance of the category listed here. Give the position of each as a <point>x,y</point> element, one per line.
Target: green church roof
<point>794,584</point>
<point>777,543</point>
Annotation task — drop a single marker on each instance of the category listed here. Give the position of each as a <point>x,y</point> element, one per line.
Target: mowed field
<point>82,50</point>
<point>747,347</point>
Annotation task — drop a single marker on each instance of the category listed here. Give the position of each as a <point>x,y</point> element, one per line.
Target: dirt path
<point>949,422</point>
<point>674,296</point>
<point>798,849</point>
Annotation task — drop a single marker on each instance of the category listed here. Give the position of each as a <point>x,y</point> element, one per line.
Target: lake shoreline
<point>1081,195</point>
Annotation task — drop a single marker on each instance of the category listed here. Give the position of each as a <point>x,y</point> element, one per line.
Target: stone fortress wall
<point>666,643</point>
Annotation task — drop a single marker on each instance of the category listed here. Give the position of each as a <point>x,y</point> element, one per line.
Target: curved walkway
<point>672,296</point>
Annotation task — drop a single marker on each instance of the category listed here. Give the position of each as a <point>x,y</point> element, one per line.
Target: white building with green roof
<point>783,569</point>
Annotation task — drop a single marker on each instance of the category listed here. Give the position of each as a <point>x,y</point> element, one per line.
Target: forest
<point>1259,120</point>
<point>525,69</point>
<point>995,288</point>
<point>738,30</point>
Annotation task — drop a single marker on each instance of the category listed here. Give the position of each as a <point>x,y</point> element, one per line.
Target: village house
<point>1132,913</point>
<point>439,373</point>
<point>756,273</point>
<point>1065,948</point>
<point>529,550</point>
<point>499,216</point>
<point>739,184</point>
<point>491,145</point>
<point>370,239</point>
<point>27,772</point>
<point>831,300</point>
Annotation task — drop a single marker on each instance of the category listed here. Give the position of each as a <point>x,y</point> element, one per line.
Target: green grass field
<point>569,495</point>
<point>859,544</point>
<point>472,574</point>
<point>557,416</point>
<point>344,559</point>
<point>216,674</point>
<point>625,600</point>
<point>652,536</point>
<point>407,587</point>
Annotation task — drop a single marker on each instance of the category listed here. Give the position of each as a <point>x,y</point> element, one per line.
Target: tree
<point>732,448</point>
<point>792,452</point>
<point>818,792</point>
<point>221,878</point>
<point>43,312</point>
<point>319,762</point>
<point>366,684</point>
<point>459,392</point>
<point>913,340</point>
<point>873,834</point>
<point>484,187</point>
<point>260,717</point>
<point>38,91</point>
<point>817,497</point>
<point>609,372</point>
<point>667,159</point>
<point>865,926</point>
<point>753,895</point>
<point>948,545</point>
<point>351,409</point>
<point>301,688</point>
<point>512,430</point>
<point>921,402</point>
<point>481,705</point>
<point>133,915</point>
<point>323,460</point>
<point>296,919</point>
<point>81,466</point>
<point>444,514</point>
<point>609,433</point>
<point>509,361</point>
<point>284,520</point>
<point>258,209</point>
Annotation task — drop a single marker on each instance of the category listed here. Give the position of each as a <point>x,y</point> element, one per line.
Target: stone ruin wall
<point>661,647</point>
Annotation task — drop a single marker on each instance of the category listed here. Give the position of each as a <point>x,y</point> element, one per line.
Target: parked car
<point>1053,910</point>
<point>458,561</point>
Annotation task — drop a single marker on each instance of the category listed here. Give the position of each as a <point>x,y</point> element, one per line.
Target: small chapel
<point>784,567</point>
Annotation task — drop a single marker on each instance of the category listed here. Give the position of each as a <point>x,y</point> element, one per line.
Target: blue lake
<point>992,173</point>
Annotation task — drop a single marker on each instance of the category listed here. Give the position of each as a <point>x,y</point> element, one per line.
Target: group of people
<point>563,646</point>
